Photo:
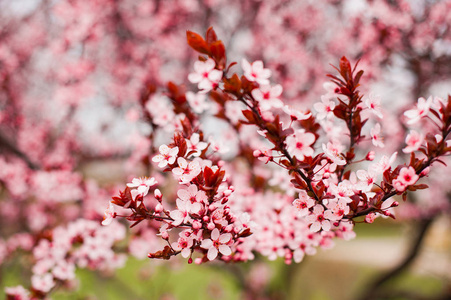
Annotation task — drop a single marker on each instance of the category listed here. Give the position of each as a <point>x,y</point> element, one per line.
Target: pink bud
<point>205,219</point>
<point>369,218</point>
<point>190,260</point>
<point>224,200</point>
<point>394,204</point>
<point>211,226</point>
<point>227,192</point>
<point>158,194</point>
<point>370,156</point>
<point>197,225</point>
<point>221,163</point>
<point>158,208</point>
<point>164,235</point>
<point>198,261</point>
<point>257,153</point>
<point>228,228</point>
<point>212,207</point>
<point>425,172</point>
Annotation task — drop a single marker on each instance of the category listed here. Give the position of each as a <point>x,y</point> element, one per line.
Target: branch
<point>5,144</point>
<point>372,292</point>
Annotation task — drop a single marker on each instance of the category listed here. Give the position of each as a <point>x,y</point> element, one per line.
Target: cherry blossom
<point>167,156</point>
<point>318,220</point>
<point>197,102</point>
<point>303,203</point>
<point>414,140</point>
<point>195,146</point>
<point>195,198</point>
<point>217,242</point>
<point>268,97</point>
<point>333,151</point>
<point>421,110</point>
<point>376,139</point>
<point>109,215</point>
<point>142,185</point>
<point>296,114</point>
<point>406,177</point>
<point>373,103</point>
<point>205,75</point>
<point>183,245</point>
<point>324,108</point>
<point>186,171</point>
<point>256,72</point>
<point>299,144</point>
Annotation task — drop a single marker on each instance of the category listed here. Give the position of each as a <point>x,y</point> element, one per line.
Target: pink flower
<point>197,102</point>
<point>167,156</point>
<point>183,245</point>
<point>299,144</point>
<point>142,184</point>
<point>414,140</point>
<point>17,292</point>
<point>318,220</point>
<point>196,199</point>
<point>367,179</point>
<point>325,108</point>
<point>303,203</point>
<point>324,171</point>
<point>205,75</point>
<point>268,97</point>
<point>373,103</point>
<point>296,114</point>
<point>336,209</point>
<point>369,218</point>
<point>384,163</point>
<point>43,283</point>
<point>217,243</point>
<point>181,214</point>
<point>109,215</point>
<point>421,110</point>
<point>186,171</point>
<point>195,147</point>
<point>375,136</point>
<point>406,177</point>
<point>333,151</point>
<point>256,72</point>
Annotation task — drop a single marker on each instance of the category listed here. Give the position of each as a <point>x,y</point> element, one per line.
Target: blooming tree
<point>260,156</point>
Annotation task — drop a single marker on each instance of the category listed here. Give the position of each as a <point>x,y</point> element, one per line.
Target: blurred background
<point>73,76</point>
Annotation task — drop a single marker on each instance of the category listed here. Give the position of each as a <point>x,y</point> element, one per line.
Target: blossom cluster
<point>213,212</point>
<point>82,244</point>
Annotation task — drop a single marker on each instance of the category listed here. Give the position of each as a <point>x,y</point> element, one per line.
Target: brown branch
<point>373,291</point>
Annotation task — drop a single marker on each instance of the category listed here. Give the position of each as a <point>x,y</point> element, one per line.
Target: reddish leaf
<point>211,35</point>
<point>345,68</point>
<point>217,51</point>
<point>197,42</point>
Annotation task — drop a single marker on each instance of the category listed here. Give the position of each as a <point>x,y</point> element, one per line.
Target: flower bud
<point>394,204</point>
<point>370,156</point>
<point>425,172</point>
<point>257,153</point>
<point>228,228</point>
<point>190,260</point>
<point>206,219</point>
<point>197,225</point>
<point>158,195</point>
<point>211,226</point>
<point>164,235</point>
<point>158,208</point>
